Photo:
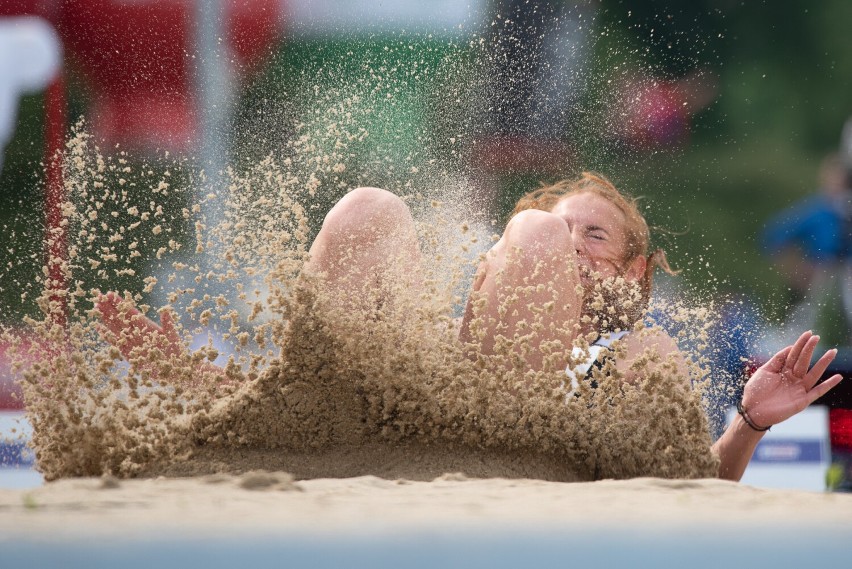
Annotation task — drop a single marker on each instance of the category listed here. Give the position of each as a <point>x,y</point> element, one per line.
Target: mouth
<point>597,269</point>
<point>588,274</point>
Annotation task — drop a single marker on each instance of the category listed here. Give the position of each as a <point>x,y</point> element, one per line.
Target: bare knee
<point>369,222</point>
<point>366,209</point>
<point>539,233</point>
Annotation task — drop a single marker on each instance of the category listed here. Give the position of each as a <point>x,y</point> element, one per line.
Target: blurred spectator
<point>650,112</point>
<point>541,53</point>
<point>541,50</point>
<point>541,71</point>
<point>731,344</point>
<point>814,233</point>
<point>812,243</point>
<point>721,343</point>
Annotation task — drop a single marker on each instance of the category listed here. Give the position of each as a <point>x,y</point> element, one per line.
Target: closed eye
<point>597,233</point>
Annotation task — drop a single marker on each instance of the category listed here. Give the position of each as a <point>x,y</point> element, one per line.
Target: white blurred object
<point>17,461</point>
<point>794,455</point>
<point>30,57</point>
<point>326,17</point>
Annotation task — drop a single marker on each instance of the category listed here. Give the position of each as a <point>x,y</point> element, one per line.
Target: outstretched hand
<point>786,384</point>
<point>135,335</point>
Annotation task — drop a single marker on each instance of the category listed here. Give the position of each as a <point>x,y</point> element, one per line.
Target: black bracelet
<point>748,420</point>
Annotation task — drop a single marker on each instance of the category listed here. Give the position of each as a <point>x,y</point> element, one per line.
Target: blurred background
<point>721,114</point>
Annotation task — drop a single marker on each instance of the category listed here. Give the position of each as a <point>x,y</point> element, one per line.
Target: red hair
<point>636,229</point>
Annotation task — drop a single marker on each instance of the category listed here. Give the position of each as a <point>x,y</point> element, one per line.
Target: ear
<point>636,268</point>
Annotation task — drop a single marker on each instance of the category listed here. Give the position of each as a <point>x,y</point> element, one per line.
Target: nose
<point>579,242</point>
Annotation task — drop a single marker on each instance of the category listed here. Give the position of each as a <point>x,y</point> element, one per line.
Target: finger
<point>105,304</point>
<point>804,362</point>
<point>819,368</point>
<point>108,335</point>
<point>111,318</point>
<point>776,364</point>
<point>141,322</point>
<point>168,326</point>
<point>823,387</point>
<point>108,303</point>
<point>127,306</point>
<point>794,354</point>
<point>113,339</point>
<point>115,311</point>
<point>108,297</point>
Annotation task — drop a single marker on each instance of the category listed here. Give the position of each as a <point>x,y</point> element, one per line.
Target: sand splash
<point>317,384</point>
<point>286,374</point>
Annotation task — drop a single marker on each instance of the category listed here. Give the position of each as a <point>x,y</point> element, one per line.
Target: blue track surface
<point>581,549</point>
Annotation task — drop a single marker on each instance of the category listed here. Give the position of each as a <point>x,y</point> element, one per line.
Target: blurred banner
<point>139,60</point>
<point>794,455</point>
<point>30,58</point>
<point>17,460</point>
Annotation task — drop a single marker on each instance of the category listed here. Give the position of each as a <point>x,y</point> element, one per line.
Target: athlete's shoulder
<point>651,338</point>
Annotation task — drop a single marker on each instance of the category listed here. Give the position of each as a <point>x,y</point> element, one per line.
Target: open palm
<point>135,335</point>
<point>786,384</point>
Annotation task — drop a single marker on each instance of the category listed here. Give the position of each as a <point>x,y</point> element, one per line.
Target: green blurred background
<point>784,90</point>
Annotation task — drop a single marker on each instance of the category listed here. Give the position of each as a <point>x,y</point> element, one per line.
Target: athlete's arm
<point>649,350</point>
<point>134,334</point>
<point>778,390</point>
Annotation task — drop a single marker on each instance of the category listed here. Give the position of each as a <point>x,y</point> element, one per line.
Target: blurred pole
<point>55,115</point>
<point>214,105</point>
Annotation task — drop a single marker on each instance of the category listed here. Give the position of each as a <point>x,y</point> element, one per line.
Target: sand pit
<point>337,404</point>
<point>274,504</point>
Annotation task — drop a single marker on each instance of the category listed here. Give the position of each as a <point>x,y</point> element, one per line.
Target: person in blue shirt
<point>815,234</point>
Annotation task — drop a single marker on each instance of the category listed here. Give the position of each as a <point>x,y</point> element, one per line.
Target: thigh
<point>367,247</point>
<point>527,300</point>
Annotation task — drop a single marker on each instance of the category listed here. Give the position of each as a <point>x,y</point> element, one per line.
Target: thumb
<point>168,326</point>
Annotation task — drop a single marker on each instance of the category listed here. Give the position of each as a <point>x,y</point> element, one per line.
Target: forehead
<point>590,209</point>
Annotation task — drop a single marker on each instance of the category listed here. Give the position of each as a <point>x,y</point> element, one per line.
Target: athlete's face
<point>598,231</point>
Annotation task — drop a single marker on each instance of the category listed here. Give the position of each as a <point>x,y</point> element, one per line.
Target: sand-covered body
<point>365,375</point>
<point>338,403</point>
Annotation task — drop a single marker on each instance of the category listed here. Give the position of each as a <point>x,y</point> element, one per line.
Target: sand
<point>337,403</point>
<point>267,504</point>
<point>318,375</point>
<point>322,376</point>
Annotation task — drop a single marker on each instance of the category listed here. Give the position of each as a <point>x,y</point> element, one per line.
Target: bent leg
<point>367,242</point>
<point>527,301</point>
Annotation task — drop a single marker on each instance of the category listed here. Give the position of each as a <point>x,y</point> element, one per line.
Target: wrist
<point>749,420</point>
<point>740,432</point>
